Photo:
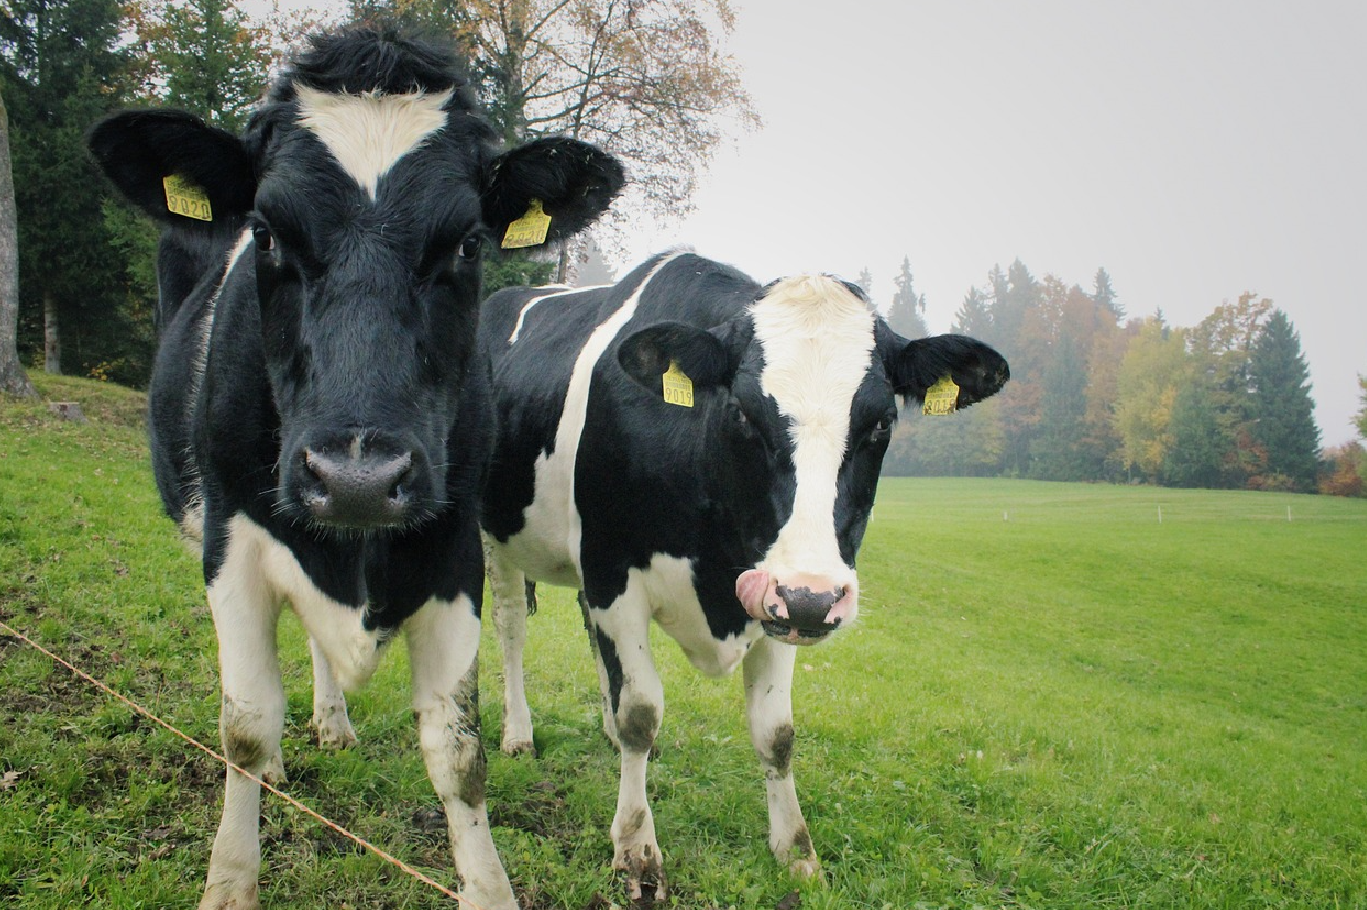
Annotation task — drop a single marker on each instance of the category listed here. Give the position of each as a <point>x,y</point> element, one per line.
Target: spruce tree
<point>1284,419</point>
<point>906,316</point>
<point>1196,456</point>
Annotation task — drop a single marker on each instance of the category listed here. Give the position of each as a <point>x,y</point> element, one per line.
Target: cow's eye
<point>469,248</point>
<point>881,430</point>
<point>265,240</point>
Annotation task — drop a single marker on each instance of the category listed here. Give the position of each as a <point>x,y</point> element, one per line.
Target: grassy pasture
<point>1053,700</point>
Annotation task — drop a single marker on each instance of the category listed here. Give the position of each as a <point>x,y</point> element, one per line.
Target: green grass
<point>1052,700</point>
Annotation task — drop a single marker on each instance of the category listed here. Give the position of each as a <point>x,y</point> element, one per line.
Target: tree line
<point>649,82</point>
<point>1097,396</point>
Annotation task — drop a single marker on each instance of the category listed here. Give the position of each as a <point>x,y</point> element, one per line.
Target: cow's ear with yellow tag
<point>186,198</point>
<point>529,230</point>
<point>678,388</point>
<point>942,399</point>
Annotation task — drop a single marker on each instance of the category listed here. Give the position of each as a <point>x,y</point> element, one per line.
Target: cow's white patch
<point>369,133</point>
<point>548,547</point>
<point>553,290</point>
<point>192,521</point>
<point>668,585</point>
<point>817,339</point>
<point>352,651</point>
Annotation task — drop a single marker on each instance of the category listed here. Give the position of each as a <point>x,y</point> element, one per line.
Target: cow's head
<point>360,198</point>
<point>802,392</point>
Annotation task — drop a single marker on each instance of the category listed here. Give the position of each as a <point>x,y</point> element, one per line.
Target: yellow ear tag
<point>678,387</point>
<point>941,398</point>
<point>529,230</point>
<point>185,198</point>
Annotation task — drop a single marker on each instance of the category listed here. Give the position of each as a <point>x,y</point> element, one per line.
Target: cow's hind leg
<point>513,600</point>
<point>637,696</point>
<point>443,643</point>
<point>330,722</point>
<point>252,719</point>
<point>769,710</point>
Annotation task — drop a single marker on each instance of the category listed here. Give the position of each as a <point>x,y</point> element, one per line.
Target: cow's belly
<point>352,650</point>
<point>675,607</point>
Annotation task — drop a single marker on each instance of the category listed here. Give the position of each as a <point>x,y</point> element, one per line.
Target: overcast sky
<point>1196,150</point>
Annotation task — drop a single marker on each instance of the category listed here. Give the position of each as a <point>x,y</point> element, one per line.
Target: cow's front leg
<point>443,643</point>
<point>252,719</point>
<point>511,595</point>
<point>604,685</point>
<point>637,696</point>
<point>330,722</point>
<point>769,710</point>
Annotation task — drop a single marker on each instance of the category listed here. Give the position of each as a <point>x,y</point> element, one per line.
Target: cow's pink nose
<point>809,608</point>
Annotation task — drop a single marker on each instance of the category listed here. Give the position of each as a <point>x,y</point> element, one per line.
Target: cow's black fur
<point>340,344</point>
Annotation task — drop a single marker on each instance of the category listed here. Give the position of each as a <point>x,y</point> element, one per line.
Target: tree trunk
<point>52,336</point>
<point>13,379</point>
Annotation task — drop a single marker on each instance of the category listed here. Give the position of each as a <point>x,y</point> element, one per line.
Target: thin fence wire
<point>223,760</point>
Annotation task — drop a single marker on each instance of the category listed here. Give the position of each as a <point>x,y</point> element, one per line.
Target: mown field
<point>1054,700</point>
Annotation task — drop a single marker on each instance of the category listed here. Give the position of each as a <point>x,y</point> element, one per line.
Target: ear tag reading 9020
<point>529,230</point>
<point>187,199</point>
<point>941,398</point>
<point>678,387</point>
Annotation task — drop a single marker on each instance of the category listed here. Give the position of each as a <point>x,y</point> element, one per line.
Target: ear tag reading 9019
<point>529,230</point>
<point>941,398</point>
<point>678,387</point>
<point>187,199</point>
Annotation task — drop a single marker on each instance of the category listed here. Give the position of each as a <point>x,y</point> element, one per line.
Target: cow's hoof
<point>805,867</point>
<point>274,772</point>
<point>519,747</point>
<point>333,732</point>
<point>645,874</point>
<point>224,896</point>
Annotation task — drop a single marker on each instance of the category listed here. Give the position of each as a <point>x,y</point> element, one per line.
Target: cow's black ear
<point>573,181</point>
<point>139,149</point>
<point>704,356</point>
<point>915,366</point>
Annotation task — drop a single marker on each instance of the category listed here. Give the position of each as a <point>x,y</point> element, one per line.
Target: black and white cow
<point>320,415</point>
<point>733,523</point>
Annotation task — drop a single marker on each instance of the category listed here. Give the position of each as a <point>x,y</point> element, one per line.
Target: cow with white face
<point>690,447</point>
<point>320,413</point>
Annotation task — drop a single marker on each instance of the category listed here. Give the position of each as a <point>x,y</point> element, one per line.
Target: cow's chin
<point>787,634</point>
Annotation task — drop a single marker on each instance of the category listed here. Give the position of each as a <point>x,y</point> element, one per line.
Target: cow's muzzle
<point>359,487</point>
<point>801,610</point>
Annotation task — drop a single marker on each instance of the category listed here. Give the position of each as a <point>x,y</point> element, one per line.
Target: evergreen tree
<point>1361,419</point>
<point>974,316</point>
<point>1197,454</point>
<point>1056,451</point>
<point>61,70</point>
<point>202,56</point>
<point>1103,295</point>
<point>865,282</point>
<point>906,316</point>
<point>1284,419</point>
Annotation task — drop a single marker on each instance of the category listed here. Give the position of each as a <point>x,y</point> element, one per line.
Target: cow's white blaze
<point>817,338</point>
<point>369,133</point>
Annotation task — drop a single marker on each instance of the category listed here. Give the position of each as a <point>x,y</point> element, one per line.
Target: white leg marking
<point>443,643</point>
<point>246,611</point>
<point>769,710</point>
<point>507,585</point>
<point>640,707</point>
<point>330,722</point>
